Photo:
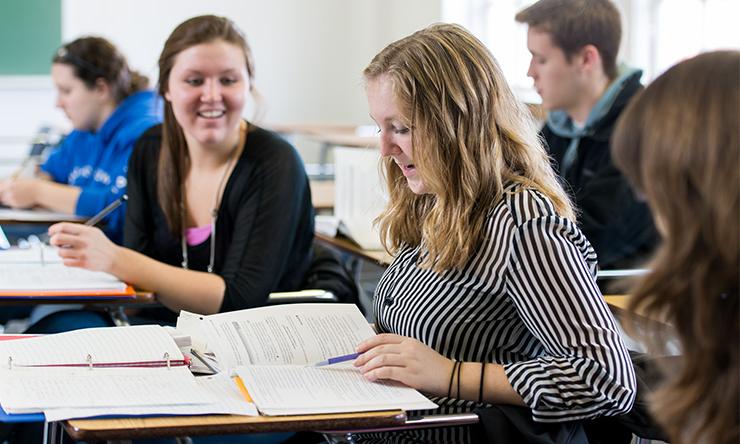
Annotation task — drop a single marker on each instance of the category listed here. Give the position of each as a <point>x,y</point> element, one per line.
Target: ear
<point>589,58</point>
<point>102,87</point>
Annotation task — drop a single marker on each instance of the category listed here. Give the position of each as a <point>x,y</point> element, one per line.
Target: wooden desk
<point>322,194</point>
<point>311,128</point>
<point>142,298</point>
<point>341,139</point>
<point>380,257</point>
<point>139,428</point>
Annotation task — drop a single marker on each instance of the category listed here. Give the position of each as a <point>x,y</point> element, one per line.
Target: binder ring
<point>10,363</point>
<point>88,359</point>
<point>167,358</point>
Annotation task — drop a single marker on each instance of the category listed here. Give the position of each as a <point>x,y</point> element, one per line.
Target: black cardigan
<point>618,225</point>
<point>265,224</point>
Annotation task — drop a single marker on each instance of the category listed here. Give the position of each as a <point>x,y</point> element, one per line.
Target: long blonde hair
<point>678,142</point>
<point>469,137</point>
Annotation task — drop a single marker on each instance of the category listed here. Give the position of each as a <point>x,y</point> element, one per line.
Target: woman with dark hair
<point>679,145</point>
<point>220,210</point>
<point>109,107</point>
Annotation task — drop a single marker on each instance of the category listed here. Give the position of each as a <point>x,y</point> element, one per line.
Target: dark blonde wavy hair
<point>678,142</point>
<point>470,136</point>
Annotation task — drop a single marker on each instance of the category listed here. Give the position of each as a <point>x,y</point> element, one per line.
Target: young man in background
<point>574,46</point>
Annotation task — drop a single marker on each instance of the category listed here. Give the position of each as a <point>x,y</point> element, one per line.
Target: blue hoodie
<point>97,162</point>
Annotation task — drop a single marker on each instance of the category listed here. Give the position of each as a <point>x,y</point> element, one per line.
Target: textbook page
<point>29,390</point>
<point>54,277</point>
<point>229,402</point>
<point>294,390</point>
<point>141,343</point>
<point>285,334</point>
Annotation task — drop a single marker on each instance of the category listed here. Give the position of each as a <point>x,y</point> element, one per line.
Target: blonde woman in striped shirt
<point>491,298</point>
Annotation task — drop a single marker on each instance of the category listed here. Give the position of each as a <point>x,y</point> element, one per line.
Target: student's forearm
<point>496,386</point>
<point>176,288</point>
<point>56,196</point>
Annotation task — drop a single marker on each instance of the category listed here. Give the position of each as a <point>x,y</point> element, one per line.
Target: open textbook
<point>38,271</point>
<point>271,349</point>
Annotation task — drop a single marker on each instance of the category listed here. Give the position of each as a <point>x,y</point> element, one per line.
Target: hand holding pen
<point>85,245</point>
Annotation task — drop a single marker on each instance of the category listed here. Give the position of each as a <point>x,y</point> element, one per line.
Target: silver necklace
<point>217,204</point>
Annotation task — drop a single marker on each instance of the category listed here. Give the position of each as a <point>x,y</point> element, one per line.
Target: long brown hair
<point>94,58</point>
<point>678,142</point>
<point>469,136</point>
<point>174,160</point>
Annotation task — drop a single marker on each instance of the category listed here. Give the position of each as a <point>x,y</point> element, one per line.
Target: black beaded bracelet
<point>459,368</point>
<point>452,378</point>
<point>482,375</point>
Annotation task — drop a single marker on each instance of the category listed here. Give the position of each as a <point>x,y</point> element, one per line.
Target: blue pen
<point>337,359</point>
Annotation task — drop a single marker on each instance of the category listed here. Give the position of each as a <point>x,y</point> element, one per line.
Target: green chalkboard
<point>30,32</point>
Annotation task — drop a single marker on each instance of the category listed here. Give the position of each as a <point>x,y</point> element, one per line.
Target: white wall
<point>309,53</point>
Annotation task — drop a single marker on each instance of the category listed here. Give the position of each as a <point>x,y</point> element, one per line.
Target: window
<point>656,33</point>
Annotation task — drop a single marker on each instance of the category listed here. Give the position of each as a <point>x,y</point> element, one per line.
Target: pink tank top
<point>197,235</point>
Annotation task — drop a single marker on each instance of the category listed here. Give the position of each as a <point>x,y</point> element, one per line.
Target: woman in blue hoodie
<point>109,107</point>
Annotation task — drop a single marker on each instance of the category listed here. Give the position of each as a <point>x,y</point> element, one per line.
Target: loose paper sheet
<point>221,386</point>
<point>286,390</point>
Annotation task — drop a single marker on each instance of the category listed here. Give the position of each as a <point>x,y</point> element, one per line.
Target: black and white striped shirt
<point>528,300</point>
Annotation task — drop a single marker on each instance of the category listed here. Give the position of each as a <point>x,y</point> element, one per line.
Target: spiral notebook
<point>97,367</point>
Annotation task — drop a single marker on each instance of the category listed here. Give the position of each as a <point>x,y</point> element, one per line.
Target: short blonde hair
<point>469,136</point>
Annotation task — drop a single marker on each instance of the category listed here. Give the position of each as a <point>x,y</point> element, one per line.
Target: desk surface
<point>322,194</point>
<point>380,257</point>
<point>341,139</point>
<point>142,298</point>
<point>127,428</point>
<point>311,128</point>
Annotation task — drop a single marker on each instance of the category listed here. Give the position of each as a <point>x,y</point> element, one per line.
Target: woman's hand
<point>19,192</point>
<point>83,246</point>
<point>406,360</point>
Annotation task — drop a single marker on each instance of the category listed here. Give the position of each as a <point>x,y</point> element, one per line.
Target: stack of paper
<point>38,271</point>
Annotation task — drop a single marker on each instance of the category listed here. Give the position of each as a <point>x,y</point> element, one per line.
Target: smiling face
<point>207,89</point>
<point>83,106</point>
<point>395,136</point>
<point>555,78</point>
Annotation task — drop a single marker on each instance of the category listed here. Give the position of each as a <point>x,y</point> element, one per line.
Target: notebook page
<point>285,334</point>
<point>55,276</point>
<point>33,255</point>
<point>31,390</point>
<point>285,390</point>
<point>37,215</point>
<point>105,344</point>
<point>221,386</point>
